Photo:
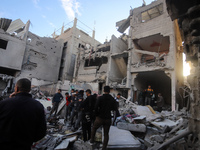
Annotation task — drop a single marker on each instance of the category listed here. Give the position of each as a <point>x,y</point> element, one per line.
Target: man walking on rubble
<point>87,111</point>
<point>22,119</point>
<point>104,105</point>
<point>56,100</point>
<point>149,93</point>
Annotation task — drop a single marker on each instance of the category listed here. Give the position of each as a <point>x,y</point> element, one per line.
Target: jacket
<point>104,105</point>
<point>57,98</point>
<point>22,122</point>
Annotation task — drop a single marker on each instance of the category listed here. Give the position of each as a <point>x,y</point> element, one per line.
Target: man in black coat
<point>104,105</point>
<point>22,119</point>
<point>87,112</point>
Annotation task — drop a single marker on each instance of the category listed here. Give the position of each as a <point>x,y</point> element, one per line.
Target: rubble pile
<point>150,130</point>
<point>153,129</point>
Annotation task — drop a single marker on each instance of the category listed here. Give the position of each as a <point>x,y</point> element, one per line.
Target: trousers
<point>106,123</point>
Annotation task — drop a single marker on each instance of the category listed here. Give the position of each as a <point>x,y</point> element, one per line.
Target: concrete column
<point>173,88</point>
<point>128,81</point>
<point>70,51</point>
<point>172,50</point>
<point>62,30</point>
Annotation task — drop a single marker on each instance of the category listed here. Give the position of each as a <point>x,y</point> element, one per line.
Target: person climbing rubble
<point>55,101</point>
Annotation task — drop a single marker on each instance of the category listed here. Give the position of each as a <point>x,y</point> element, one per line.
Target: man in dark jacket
<point>104,105</point>
<point>56,100</point>
<point>22,119</point>
<point>87,111</point>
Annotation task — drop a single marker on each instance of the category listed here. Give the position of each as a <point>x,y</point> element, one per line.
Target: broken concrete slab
<point>165,122</point>
<point>63,145</point>
<point>132,127</point>
<point>143,111</point>
<point>119,138</point>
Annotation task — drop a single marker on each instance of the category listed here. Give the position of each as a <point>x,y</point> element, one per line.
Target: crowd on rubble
<point>85,113</point>
<point>88,113</point>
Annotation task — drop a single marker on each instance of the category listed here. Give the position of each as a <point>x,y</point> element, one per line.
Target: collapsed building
<point>154,52</point>
<point>151,54</point>
<point>43,60</point>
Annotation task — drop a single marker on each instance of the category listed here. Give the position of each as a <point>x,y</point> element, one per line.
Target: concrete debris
<point>133,131</point>
<point>122,139</point>
<point>6,85</point>
<point>132,127</point>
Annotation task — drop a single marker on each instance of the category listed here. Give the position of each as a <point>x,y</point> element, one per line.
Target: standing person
<point>56,100</point>
<point>116,113</point>
<point>87,111</point>
<point>104,105</point>
<point>70,106</point>
<point>67,105</point>
<point>22,119</point>
<point>141,98</point>
<point>160,102</point>
<point>74,105</point>
<point>148,95</point>
<point>93,109</point>
<point>79,113</point>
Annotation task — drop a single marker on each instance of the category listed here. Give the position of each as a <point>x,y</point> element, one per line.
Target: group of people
<point>22,118</point>
<point>147,97</point>
<point>89,113</point>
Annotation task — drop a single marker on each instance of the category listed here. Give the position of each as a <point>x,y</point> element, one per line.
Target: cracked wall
<point>42,58</point>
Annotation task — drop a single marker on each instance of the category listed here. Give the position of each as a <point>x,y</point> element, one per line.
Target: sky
<point>47,16</point>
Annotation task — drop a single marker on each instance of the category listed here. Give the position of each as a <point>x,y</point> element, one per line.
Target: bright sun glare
<point>186,67</point>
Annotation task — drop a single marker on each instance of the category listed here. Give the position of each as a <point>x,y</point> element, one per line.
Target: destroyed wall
<point>11,53</point>
<point>117,69</point>
<point>155,47</point>
<point>73,40</point>
<point>187,14</point>
<point>93,66</point>
<point>42,58</point>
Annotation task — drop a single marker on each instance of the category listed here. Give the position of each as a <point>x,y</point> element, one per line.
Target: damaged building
<point>24,54</point>
<point>74,42</point>
<point>43,60</point>
<point>154,52</point>
<point>151,54</point>
<point>98,67</point>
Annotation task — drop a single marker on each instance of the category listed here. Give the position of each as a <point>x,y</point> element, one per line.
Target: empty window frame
<point>152,13</point>
<point>3,44</point>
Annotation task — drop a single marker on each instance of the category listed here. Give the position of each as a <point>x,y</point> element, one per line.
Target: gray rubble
<point>146,129</point>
